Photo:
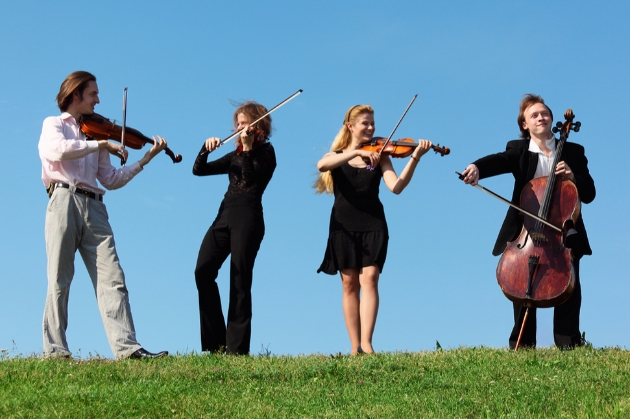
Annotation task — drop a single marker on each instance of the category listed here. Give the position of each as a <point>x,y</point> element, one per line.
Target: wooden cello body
<point>536,270</point>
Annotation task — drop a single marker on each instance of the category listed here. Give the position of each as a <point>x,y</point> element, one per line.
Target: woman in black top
<point>237,230</point>
<point>357,242</point>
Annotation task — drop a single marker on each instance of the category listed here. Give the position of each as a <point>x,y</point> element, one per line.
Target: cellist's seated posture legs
<point>358,236</point>
<point>527,158</point>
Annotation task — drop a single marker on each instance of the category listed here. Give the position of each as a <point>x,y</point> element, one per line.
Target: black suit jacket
<point>518,160</point>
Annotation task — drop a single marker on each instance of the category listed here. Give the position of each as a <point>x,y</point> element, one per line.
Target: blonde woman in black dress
<point>358,235</point>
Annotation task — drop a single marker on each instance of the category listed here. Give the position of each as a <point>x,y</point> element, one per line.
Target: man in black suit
<point>528,158</point>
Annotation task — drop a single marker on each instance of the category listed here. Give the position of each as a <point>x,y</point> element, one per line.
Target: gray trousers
<point>74,222</point>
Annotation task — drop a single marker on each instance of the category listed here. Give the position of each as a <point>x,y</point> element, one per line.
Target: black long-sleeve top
<point>249,173</point>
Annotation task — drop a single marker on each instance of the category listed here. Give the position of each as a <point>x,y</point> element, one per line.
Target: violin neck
<point>403,143</point>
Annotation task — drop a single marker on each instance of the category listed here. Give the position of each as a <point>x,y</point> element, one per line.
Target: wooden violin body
<point>259,138</point>
<point>98,127</point>
<point>399,148</point>
<point>536,269</point>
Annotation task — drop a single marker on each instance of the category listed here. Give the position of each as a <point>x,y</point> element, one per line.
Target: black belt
<point>80,191</point>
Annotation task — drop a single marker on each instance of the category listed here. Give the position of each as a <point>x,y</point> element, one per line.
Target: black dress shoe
<point>144,354</point>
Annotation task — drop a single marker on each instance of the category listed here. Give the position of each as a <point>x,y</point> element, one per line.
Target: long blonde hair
<point>324,182</point>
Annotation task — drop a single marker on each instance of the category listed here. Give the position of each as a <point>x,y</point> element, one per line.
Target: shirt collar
<point>66,116</point>
<point>551,144</point>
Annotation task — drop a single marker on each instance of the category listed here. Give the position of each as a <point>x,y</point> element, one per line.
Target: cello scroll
<point>564,128</point>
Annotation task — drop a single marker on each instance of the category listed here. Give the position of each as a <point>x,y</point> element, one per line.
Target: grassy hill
<point>466,382</point>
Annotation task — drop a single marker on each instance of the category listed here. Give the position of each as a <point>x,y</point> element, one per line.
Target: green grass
<point>467,382</point>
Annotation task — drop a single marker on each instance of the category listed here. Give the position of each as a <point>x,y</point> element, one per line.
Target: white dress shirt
<point>544,163</point>
<point>67,157</point>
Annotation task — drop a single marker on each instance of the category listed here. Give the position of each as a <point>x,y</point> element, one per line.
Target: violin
<point>97,127</point>
<point>259,137</point>
<point>403,147</point>
<point>253,128</point>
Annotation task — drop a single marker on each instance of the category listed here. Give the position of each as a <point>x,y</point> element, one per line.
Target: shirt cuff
<point>135,168</point>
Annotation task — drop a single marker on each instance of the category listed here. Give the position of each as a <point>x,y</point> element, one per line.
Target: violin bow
<point>124,123</point>
<point>505,201</point>
<point>369,167</point>
<point>269,112</point>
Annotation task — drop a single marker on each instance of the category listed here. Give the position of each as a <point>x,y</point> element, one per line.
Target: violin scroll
<point>443,151</point>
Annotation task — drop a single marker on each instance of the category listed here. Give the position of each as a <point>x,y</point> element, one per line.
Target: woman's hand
<point>421,149</point>
<point>212,143</point>
<point>247,140</point>
<point>371,158</point>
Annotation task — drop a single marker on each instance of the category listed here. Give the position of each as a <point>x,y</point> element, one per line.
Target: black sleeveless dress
<point>358,233</point>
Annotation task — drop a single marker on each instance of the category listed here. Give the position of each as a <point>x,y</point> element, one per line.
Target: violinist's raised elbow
<point>196,170</point>
<point>325,164</point>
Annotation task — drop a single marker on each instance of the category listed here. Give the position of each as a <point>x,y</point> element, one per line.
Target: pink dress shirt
<point>67,157</point>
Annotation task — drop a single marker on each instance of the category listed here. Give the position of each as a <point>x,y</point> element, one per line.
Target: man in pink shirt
<point>76,219</point>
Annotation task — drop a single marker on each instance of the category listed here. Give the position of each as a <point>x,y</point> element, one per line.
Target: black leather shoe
<point>144,354</point>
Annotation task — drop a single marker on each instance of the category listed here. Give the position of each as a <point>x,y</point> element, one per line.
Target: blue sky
<point>185,62</point>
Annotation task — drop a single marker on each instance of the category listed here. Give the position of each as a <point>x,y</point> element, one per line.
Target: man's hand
<point>115,149</point>
<point>563,169</point>
<point>159,144</point>
<point>471,175</point>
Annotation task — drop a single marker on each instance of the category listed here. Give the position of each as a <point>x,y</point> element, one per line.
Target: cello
<point>536,269</point>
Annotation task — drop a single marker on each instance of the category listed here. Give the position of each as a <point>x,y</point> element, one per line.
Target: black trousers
<point>239,232</point>
<point>566,320</point>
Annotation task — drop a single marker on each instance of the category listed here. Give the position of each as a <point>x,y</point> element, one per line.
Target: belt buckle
<point>86,193</point>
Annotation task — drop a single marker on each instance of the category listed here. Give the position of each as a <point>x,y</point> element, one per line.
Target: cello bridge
<point>539,237</point>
